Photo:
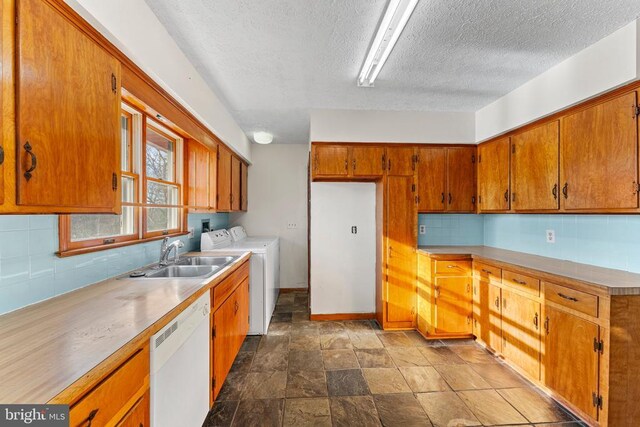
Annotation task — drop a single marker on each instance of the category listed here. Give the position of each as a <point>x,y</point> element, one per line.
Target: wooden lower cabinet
<point>481,309</point>
<point>118,399</point>
<point>494,317</point>
<point>138,416</point>
<point>453,305</point>
<point>521,331</point>
<point>230,324</point>
<point>570,361</point>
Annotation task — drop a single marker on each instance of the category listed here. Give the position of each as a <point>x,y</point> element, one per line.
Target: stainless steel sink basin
<point>184,271</point>
<point>186,267</point>
<point>207,260</point>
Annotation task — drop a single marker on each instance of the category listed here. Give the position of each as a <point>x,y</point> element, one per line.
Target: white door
<point>343,247</point>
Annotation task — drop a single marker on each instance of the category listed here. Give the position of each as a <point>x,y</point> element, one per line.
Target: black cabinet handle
<point>565,190</point>
<point>91,416</point>
<point>535,321</point>
<point>567,297</point>
<point>506,196</point>
<point>1,155</point>
<point>450,198</point>
<point>554,191</point>
<point>442,198</point>
<point>34,161</point>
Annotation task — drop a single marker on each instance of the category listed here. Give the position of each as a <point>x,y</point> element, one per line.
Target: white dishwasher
<point>180,368</point>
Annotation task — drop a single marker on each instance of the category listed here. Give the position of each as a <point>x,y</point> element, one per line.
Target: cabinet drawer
<point>111,396</point>
<point>453,267</point>
<point>488,272</point>
<point>571,298</point>
<point>222,291</point>
<point>522,282</point>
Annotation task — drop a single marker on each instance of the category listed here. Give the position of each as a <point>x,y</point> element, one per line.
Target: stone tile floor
<point>351,373</point>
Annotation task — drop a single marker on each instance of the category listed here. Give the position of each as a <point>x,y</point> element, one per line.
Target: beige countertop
<point>614,282</point>
<point>48,346</point>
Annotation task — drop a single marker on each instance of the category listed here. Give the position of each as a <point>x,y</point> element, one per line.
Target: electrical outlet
<point>192,232</point>
<point>292,225</point>
<point>551,236</point>
<point>422,229</point>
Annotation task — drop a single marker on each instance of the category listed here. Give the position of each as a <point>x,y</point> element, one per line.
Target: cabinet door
<point>461,179</point>
<point>400,161</point>
<point>481,310</point>
<point>224,179</point>
<point>424,295</point>
<point>225,342</point>
<point>521,332</point>
<point>139,415</point>
<point>244,186</point>
<point>534,168</point>
<point>495,318</point>
<point>330,160</point>
<point>599,156</point>
<point>197,175</point>
<point>367,161</point>
<point>571,365</point>
<point>242,315</point>
<point>236,174</point>
<point>213,178</point>
<point>431,179</point>
<point>453,305</point>
<point>493,176</point>
<point>401,241</point>
<point>67,114</point>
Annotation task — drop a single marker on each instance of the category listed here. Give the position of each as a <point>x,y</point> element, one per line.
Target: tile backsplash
<point>30,271</point>
<point>611,241</point>
<point>458,230</point>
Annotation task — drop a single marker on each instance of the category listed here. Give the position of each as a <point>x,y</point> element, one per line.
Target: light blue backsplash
<point>611,241</point>
<point>458,230</point>
<point>30,271</point>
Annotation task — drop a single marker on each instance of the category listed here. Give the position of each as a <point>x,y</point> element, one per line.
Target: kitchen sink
<point>207,260</point>
<point>186,267</point>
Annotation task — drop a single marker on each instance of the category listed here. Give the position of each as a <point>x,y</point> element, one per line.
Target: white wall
<point>392,126</point>
<point>278,196</point>
<point>343,264</point>
<point>135,30</point>
<point>608,63</point>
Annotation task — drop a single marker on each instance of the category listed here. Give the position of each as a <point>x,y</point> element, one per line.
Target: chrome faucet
<point>166,249</point>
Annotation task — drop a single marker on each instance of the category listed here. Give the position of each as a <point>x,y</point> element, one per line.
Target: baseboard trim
<point>287,290</point>
<point>343,316</point>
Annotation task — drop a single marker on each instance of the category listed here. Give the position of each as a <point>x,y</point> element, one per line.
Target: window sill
<point>80,251</point>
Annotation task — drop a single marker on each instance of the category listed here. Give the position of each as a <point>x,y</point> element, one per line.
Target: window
<point>151,173</point>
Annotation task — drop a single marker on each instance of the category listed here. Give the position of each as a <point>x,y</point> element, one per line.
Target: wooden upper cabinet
<point>461,179</point>
<point>493,176</point>
<point>197,175</point>
<point>367,161</point>
<point>576,377</point>
<point>432,179</point>
<point>67,115</point>
<point>213,178</point>
<point>401,161</point>
<point>330,160</point>
<point>224,179</point>
<point>534,168</point>
<point>401,242</point>
<point>244,186</point>
<point>236,199</point>
<point>599,156</point>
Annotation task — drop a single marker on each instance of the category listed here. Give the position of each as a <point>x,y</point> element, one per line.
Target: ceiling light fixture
<point>262,137</point>
<point>393,22</point>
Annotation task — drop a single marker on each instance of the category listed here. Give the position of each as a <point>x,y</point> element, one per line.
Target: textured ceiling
<point>273,60</point>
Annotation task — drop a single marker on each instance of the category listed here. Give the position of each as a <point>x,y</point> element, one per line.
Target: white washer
<point>264,272</point>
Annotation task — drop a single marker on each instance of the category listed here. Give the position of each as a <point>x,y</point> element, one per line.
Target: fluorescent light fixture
<point>393,22</point>
<point>262,137</point>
